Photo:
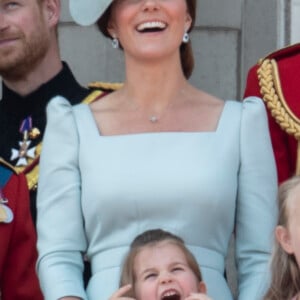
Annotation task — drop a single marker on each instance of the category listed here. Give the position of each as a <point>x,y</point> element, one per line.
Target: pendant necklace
<point>153,119</point>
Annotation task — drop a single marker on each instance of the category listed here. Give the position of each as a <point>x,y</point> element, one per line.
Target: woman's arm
<point>256,207</point>
<point>61,236</point>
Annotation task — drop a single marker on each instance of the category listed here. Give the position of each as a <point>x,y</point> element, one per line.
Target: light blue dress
<point>96,193</point>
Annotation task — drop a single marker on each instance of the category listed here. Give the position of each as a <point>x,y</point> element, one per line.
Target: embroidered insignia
<point>25,152</point>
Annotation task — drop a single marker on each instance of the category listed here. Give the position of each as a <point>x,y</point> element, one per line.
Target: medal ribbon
<point>26,126</point>
<point>4,177</point>
<point>5,174</point>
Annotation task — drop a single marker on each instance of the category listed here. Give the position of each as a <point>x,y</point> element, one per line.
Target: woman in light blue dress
<point>156,153</point>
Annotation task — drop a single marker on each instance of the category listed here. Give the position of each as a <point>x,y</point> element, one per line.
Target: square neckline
<point>95,128</point>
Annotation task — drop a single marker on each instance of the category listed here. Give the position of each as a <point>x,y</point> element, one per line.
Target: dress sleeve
<point>256,207</point>
<point>284,156</point>
<point>61,237</point>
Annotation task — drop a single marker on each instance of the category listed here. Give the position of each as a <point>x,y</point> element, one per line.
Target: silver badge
<point>6,214</point>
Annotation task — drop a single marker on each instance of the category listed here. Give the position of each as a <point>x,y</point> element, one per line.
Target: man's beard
<point>25,54</point>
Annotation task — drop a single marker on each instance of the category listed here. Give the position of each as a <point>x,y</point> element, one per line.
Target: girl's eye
<point>176,269</point>
<point>150,276</point>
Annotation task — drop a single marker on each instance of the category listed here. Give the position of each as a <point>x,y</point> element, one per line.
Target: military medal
<point>25,152</point>
<point>6,214</point>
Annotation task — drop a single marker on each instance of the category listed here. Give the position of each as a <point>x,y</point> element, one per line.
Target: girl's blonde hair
<point>151,238</point>
<point>285,281</point>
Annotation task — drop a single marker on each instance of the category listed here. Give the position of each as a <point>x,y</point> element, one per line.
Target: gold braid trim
<point>105,85</point>
<point>269,81</point>
<point>33,176</point>
<point>92,96</point>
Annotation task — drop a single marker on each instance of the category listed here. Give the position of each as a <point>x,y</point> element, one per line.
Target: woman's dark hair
<point>186,52</point>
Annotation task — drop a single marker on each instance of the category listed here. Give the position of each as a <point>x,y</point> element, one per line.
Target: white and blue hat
<point>87,12</point>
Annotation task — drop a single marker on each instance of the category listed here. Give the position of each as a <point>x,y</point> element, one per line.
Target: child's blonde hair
<point>152,238</point>
<point>285,281</point>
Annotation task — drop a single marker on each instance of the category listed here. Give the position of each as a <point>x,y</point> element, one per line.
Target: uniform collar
<point>34,103</point>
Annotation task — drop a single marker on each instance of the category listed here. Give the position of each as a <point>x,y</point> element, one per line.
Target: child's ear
<point>283,237</point>
<point>202,287</point>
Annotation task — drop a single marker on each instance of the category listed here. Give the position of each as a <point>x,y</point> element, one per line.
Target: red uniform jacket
<point>276,79</point>
<point>18,254</point>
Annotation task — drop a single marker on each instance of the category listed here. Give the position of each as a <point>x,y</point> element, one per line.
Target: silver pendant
<point>153,119</point>
<point>6,214</point>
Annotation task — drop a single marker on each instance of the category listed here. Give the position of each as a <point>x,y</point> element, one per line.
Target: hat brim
<point>87,12</point>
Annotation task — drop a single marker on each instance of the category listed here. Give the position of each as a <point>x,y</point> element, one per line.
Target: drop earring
<point>186,38</point>
<point>115,43</point>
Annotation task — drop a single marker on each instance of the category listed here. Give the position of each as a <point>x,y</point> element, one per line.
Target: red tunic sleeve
<point>18,254</point>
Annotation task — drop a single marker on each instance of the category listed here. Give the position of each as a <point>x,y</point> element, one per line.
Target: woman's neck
<point>154,85</point>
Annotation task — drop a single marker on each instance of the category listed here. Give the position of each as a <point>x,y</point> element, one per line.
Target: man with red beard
<point>32,73</point>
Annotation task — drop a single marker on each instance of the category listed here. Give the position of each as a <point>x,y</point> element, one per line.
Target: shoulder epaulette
<point>272,94</point>
<point>6,171</point>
